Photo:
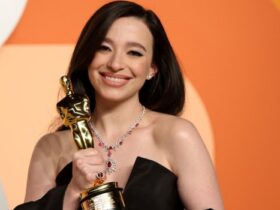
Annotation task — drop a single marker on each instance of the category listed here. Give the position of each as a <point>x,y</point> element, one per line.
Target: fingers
<point>89,152</point>
<point>90,172</point>
<point>87,167</point>
<point>90,156</point>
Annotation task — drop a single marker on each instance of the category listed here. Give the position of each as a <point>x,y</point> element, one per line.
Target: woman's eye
<point>135,53</point>
<point>104,48</point>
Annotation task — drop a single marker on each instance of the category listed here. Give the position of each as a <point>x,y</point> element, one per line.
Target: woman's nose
<point>116,62</point>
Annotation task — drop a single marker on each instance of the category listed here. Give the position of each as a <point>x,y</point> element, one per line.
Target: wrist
<point>71,197</point>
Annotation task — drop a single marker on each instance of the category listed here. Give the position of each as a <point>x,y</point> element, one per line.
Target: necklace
<point>111,163</point>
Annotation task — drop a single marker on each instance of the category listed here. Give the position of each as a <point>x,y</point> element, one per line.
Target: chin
<point>117,97</point>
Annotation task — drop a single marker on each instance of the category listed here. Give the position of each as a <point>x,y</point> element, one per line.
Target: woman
<point>125,64</point>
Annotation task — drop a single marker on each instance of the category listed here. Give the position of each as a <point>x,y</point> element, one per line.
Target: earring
<point>149,77</point>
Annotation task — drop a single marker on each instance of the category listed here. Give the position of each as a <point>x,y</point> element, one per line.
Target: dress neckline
<point>149,186</point>
<point>139,162</point>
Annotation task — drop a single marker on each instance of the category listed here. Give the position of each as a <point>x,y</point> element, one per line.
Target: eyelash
<point>103,48</point>
<point>131,52</point>
<point>135,53</point>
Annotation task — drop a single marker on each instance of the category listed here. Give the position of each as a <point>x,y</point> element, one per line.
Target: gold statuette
<point>75,113</point>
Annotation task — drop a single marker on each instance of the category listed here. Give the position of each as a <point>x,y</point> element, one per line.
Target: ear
<point>152,72</point>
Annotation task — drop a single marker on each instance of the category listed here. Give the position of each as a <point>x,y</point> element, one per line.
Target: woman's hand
<point>87,163</point>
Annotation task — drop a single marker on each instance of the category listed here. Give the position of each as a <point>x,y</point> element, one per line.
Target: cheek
<point>92,70</point>
<point>97,61</point>
<point>142,68</point>
<point>91,73</point>
<point>144,65</point>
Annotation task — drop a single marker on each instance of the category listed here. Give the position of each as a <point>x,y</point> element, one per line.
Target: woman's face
<point>123,61</point>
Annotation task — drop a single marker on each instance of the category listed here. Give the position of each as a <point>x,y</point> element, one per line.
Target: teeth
<point>114,79</point>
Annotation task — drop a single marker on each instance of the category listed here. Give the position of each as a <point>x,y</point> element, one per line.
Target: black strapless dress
<point>150,186</point>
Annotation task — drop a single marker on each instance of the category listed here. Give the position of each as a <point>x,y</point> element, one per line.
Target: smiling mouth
<point>115,80</point>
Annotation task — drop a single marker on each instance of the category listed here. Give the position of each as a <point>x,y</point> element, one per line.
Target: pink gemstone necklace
<point>111,163</point>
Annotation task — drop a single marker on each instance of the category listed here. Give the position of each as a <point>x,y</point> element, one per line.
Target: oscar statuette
<point>75,112</point>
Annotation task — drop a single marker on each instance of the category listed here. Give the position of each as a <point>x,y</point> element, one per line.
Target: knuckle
<point>76,155</point>
<point>78,163</point>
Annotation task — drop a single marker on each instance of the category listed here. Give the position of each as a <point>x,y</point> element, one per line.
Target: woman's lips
<point>115,80</point>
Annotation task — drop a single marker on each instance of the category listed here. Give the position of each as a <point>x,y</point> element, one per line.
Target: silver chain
<point>120,140</point>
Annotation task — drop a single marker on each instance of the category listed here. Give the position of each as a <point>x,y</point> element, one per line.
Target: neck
<point>114,121</point>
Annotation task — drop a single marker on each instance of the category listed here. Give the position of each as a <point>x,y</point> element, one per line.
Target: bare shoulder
<point>43,166</point>
<point>180,140</point>
<point>173,129</point>
<point>53,143</point>
<point>189,160</point>
<point>50,148</point>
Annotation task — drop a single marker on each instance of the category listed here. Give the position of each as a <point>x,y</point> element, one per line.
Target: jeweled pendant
<point>111,165</point>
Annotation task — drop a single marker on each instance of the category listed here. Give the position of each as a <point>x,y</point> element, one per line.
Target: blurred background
<point>230,54</point>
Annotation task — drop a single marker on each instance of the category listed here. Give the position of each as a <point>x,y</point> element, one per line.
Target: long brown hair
<point>165,92</point>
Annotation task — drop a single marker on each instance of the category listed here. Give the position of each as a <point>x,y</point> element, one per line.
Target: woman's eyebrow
<point>129,43</point>
<point>136,44</point>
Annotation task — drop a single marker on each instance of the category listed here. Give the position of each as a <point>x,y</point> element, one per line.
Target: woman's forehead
<point>131,31</point>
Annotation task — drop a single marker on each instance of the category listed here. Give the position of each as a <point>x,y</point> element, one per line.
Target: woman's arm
<point>42,169</point>
<point>41,193</point>
<point>190,160</point>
